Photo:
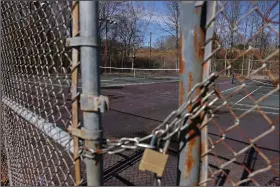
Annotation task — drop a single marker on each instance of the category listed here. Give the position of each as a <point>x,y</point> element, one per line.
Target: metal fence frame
<point>86,143</point>
<point>91,86</point>
<point>195,65</point>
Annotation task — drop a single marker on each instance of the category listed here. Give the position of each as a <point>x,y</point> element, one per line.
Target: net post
<point>90,62</point>
<point>191,60</point>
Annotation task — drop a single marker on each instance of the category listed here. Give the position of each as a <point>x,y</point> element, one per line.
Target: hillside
<point>159,58</point>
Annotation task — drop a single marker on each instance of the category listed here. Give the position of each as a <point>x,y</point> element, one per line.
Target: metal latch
<point>92,103</point>
<point>84,133</point>
<point>81,41</point>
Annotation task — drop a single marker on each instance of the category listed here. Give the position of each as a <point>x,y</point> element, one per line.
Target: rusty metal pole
<point>74,87</point>
<point>191,60</point>
<point>210,20</point>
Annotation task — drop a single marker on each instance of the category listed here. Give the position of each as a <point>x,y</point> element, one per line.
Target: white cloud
<point>156,18</point>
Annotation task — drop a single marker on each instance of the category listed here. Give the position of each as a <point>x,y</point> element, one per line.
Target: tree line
<point>123,26</point>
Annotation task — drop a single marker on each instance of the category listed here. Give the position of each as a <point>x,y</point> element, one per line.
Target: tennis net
<point>141,72</point>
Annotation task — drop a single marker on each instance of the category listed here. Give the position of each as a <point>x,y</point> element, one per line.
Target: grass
<point>156,53</point>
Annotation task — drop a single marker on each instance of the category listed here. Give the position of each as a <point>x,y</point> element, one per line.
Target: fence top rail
<point>228,59</point>
<point>139,69</point>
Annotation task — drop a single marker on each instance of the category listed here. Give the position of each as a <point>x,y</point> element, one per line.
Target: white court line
<point>144,83</point>
<point>154,95</point>
<point>224,82</point>
<point>230,89</point>
<point>247,95</point>
<point>242,109</point>
<point>170,92</point>
<point>128,78</point>
<point>103,80</point>
<point>104,86</point>
<point>271,108</point>
<point>266,107</point>
<point>272,95</point>
<point>114,92</point>
<point>125,93</point>
<point>261,82</point>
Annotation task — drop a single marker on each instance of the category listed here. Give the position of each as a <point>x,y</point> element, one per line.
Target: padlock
<point>153,160</point>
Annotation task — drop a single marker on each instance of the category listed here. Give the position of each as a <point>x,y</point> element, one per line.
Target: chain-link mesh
<point>243,120</point>
<point>244,133</point>
<point>36,100</point>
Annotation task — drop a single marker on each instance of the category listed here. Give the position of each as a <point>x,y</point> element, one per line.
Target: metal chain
<point>179,120</point>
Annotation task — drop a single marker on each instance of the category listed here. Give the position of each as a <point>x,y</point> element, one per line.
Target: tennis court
<point>137,105</point>
<point>53,55</point>
<point>239,100</point>
<point>113,80</point>
<point>242,99</point>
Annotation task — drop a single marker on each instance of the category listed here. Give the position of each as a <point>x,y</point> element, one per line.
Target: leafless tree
<point>171,20</point>
<point>132,20</point>
<point>226,22</point>
<point>259,29</point>
<point>131,29</point>
<point>166,42</point>
<point>160,42</point>
<point>107,11</point>
<point>244,21</point>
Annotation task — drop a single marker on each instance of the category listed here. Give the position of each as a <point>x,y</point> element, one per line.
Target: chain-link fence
<point>226,130</point>
<point>245,149</point>
<point>245,67</point>
<point>35,90</point>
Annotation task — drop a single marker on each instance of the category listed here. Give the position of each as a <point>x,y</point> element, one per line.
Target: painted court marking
<point>166,93</point>
<point>247,95</point>
<point>266,107</point>
<point>229,89</point>
<point>267,112</point>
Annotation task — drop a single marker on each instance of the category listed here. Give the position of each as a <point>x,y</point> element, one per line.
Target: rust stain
<point>189,157</point>
<point>198,42</point>
<point>182,92</point>
<point>205,66</point>
<point>197,10</point>
<point>97,148</point>
<point>197,91</point>
<point>182,61</point>
<point>182,69</point>
<point>201,44</point>
<point>190,83</point>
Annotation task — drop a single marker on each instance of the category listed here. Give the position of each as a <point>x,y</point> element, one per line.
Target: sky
<point>158,9</point>
<point>159,12</point>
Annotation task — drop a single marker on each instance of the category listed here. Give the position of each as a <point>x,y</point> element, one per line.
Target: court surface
<point>138,105</point>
